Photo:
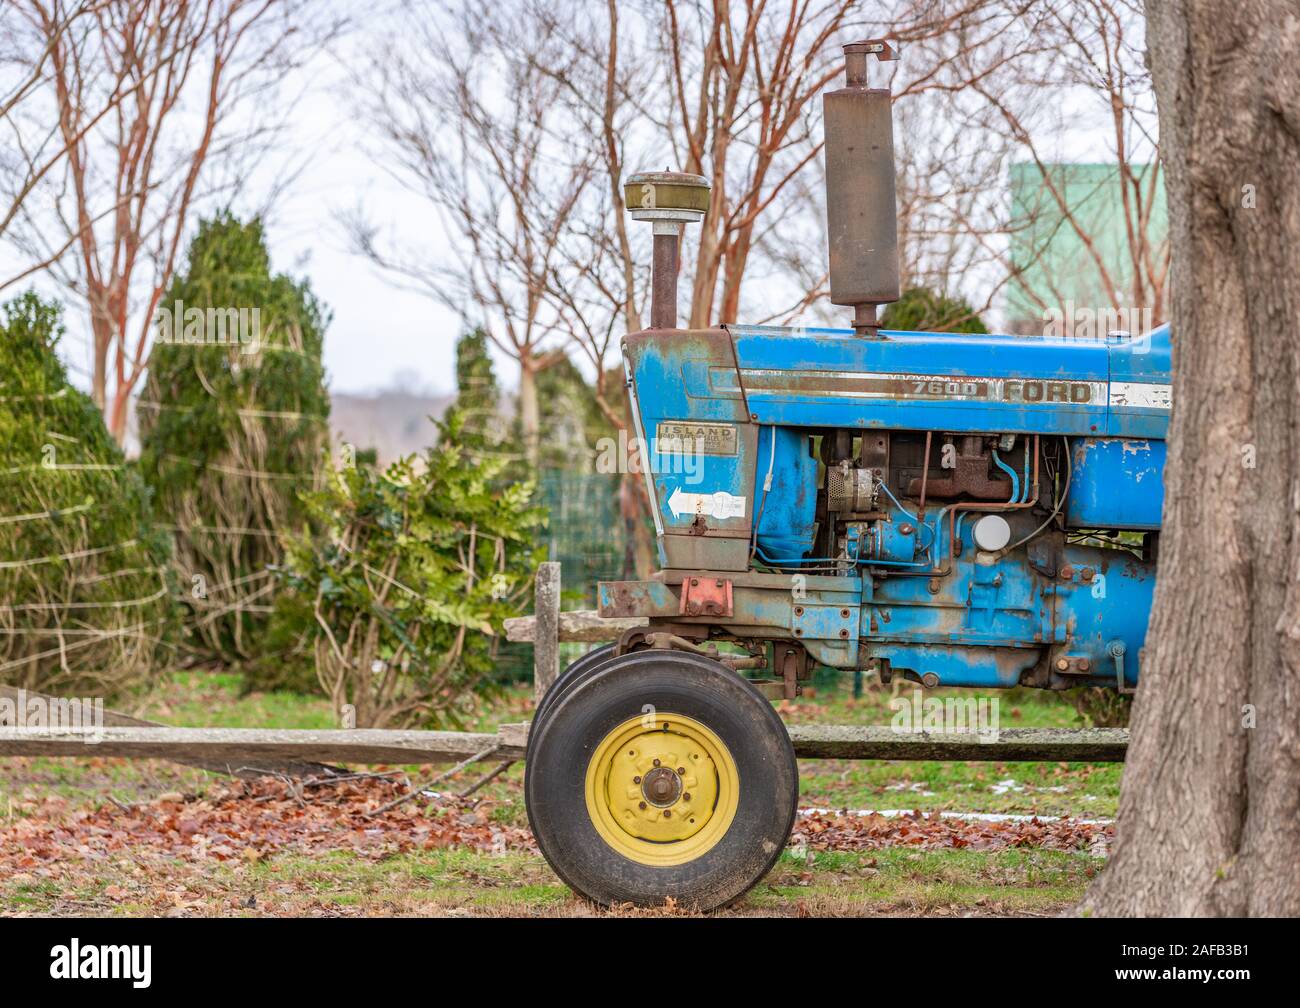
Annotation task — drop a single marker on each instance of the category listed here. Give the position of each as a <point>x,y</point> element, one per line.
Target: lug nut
<point>640,805</point>
<point>636,779</point>
<point>667,814</point>
<point>681,770</point>
<point>686,796</point>
<point>656,762</point>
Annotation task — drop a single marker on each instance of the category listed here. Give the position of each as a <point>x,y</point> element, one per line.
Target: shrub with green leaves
<point>232,429</point>
<point>85,596</point>
<point>408,585</point>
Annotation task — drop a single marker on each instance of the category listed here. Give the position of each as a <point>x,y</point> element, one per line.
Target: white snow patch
<point>972,816</point>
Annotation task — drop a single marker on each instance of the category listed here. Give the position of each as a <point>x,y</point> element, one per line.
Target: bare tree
<point>951,167</point>
<point>32,153</point>
<point>597,295</point>
<point>1077,64</point>
<point>740,109</point>
<point>178,76</point>
<point>1211,790</point>
<point>744,85</point>
<point>483,135</point>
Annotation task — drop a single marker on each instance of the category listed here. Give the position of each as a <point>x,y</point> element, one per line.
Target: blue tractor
<point>955,510</point>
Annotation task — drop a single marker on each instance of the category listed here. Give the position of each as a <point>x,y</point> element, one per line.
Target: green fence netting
<point>585,533</point>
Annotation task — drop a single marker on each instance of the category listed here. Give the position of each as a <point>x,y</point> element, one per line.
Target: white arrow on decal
<point>716,505</point>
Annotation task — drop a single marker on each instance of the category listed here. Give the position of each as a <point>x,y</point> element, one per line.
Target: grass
<point>202,699</point>
<point>901,881</point>
<point>461,882</point>
<point>1088,790</point>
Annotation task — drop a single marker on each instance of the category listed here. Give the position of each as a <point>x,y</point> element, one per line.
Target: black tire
<point>572,673</point>
<point>607,696</point>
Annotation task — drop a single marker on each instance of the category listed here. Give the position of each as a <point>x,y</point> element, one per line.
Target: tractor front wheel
<point>661,774</point>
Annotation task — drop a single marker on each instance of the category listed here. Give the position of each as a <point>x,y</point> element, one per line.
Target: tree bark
<point>530,421</point>
<point>1211,793</point>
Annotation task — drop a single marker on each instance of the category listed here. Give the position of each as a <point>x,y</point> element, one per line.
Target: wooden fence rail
<point>250,749</point>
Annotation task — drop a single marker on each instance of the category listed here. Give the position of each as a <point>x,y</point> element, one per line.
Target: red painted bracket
<point>706,596</point>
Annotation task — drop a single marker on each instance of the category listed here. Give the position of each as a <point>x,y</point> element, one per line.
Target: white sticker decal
<point>715,505</point>
<point>1147,395</point>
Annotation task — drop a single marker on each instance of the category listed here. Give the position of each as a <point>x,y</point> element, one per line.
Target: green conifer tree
<point>477,392</point>
<point>232,428</point>
<point>85,596</point>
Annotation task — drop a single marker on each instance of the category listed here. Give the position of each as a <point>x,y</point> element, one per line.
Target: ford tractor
<point>977,511</point>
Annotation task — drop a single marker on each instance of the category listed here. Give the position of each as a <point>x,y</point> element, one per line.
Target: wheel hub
<point>662,788</point>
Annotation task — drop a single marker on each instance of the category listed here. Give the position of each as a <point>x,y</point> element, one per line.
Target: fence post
<point>546,645</point>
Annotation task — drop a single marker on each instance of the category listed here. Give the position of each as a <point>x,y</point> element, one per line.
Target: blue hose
<point>1015,480</point>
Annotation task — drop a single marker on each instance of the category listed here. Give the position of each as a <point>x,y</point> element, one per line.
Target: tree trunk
<point>639,552</point>
<point>101,329</point>
<point>1211,793</point>
<point>117,415</point>
<point>530,421</point>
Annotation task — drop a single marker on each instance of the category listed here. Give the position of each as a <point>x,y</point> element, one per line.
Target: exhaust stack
<point>861,209</point>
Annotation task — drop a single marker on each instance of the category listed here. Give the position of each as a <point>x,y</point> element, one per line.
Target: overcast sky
<point>379,330</point>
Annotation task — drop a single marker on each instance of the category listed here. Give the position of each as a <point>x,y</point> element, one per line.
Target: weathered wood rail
<point>1076,745</point>
<point>295,765</point>
<point>586,625</point>
<point>269,748</point>
<point>233,749</point>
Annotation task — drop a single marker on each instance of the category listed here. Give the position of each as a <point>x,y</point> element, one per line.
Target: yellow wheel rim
<point>662,789</point>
